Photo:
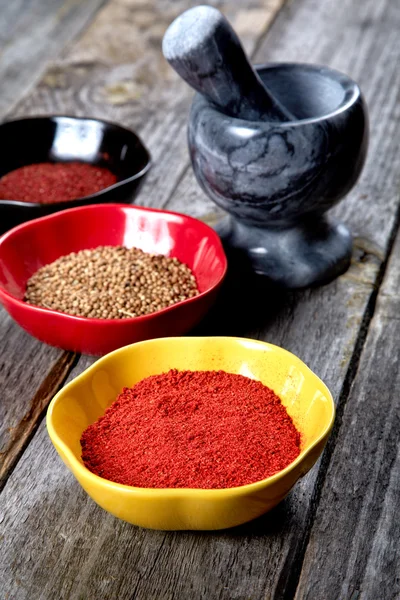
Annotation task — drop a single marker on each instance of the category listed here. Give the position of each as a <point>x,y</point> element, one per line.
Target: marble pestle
<point>205,51</point>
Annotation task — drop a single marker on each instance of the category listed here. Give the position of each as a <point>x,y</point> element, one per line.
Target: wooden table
<point>337,535</point>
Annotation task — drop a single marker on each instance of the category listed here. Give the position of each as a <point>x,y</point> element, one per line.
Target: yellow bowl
<point>80,403</point>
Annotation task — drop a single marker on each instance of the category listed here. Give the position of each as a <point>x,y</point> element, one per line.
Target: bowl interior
<point>30,246</point>
<point>56,139</point>
<point>80,403</point>
<point>291,84</point>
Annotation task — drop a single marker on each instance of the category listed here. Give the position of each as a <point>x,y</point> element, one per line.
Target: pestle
<point>205,51</point>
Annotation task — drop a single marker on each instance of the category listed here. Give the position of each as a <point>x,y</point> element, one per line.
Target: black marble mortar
<point>277,179</point>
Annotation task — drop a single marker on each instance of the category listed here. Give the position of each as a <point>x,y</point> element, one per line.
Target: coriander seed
<point>111,282</point>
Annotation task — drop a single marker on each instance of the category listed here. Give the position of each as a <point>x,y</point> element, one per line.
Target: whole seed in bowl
<point>111,282</point>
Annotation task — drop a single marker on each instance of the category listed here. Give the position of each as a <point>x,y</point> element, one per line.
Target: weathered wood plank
<point>124,78</point>
<point>159,565</point>
<point>102,62</point>
<point>30,373</point>
<point>38,480</point>
<point>31,31</point>
<point>357,38</point>
<point>120,71</point>
<point>354,547</point>
<point>101,557</point>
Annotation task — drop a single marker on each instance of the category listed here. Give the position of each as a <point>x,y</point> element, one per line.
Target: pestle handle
<point>205,51</point>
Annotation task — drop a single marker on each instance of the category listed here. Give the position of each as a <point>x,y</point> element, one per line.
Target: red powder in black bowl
<point>192,429</point>
<point>48,183</point>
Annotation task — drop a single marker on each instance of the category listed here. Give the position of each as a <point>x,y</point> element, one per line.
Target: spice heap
<point>197,429</point>
<point>111,282</point>
<point>48,183</point>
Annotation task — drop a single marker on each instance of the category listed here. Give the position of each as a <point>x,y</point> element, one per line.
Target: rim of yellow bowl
<point>137,491</point>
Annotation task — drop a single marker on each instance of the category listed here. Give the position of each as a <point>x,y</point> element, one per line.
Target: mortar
<point>278,179</point>
<point>275,146</point>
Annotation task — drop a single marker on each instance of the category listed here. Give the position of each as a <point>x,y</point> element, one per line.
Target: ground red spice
<point>198,429</point>
<point>48,183</point>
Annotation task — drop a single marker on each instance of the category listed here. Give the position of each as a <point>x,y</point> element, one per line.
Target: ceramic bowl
<point>31,245</point>
<point>64,139</point>
<point>81,402</point>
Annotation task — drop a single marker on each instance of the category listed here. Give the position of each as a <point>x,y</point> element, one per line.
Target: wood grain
<point>357,38</point>
<point>81,551</point>
<point>39,483</point>
<point>30,373</point>
<point>354,549</point>
<point>126,74</point>
<point>125,78</point>
<point>35,388</point>
<point>30,32</point>
<point>169,565</point>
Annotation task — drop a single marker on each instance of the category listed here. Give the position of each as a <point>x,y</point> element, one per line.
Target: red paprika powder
<point>48,183</point>
<point>197,429</point>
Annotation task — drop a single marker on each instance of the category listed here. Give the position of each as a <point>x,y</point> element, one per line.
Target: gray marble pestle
<point>276,146</point>
<point>205,51</point>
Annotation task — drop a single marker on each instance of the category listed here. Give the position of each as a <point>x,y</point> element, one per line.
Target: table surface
<point>337,534</point>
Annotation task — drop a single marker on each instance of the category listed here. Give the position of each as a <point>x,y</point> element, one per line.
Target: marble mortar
<point>277,179</point>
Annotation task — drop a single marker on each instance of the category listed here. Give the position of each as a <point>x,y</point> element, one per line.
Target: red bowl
<point>26,248</point>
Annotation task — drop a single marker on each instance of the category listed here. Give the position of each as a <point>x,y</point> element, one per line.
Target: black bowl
<point>64,139</point>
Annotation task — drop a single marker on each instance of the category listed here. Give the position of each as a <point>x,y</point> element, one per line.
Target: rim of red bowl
<point>117,322</point>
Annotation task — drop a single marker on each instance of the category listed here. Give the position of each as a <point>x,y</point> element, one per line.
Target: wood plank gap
<point>24,57</point>
<point>287,585</point>
<point>26,428</point>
